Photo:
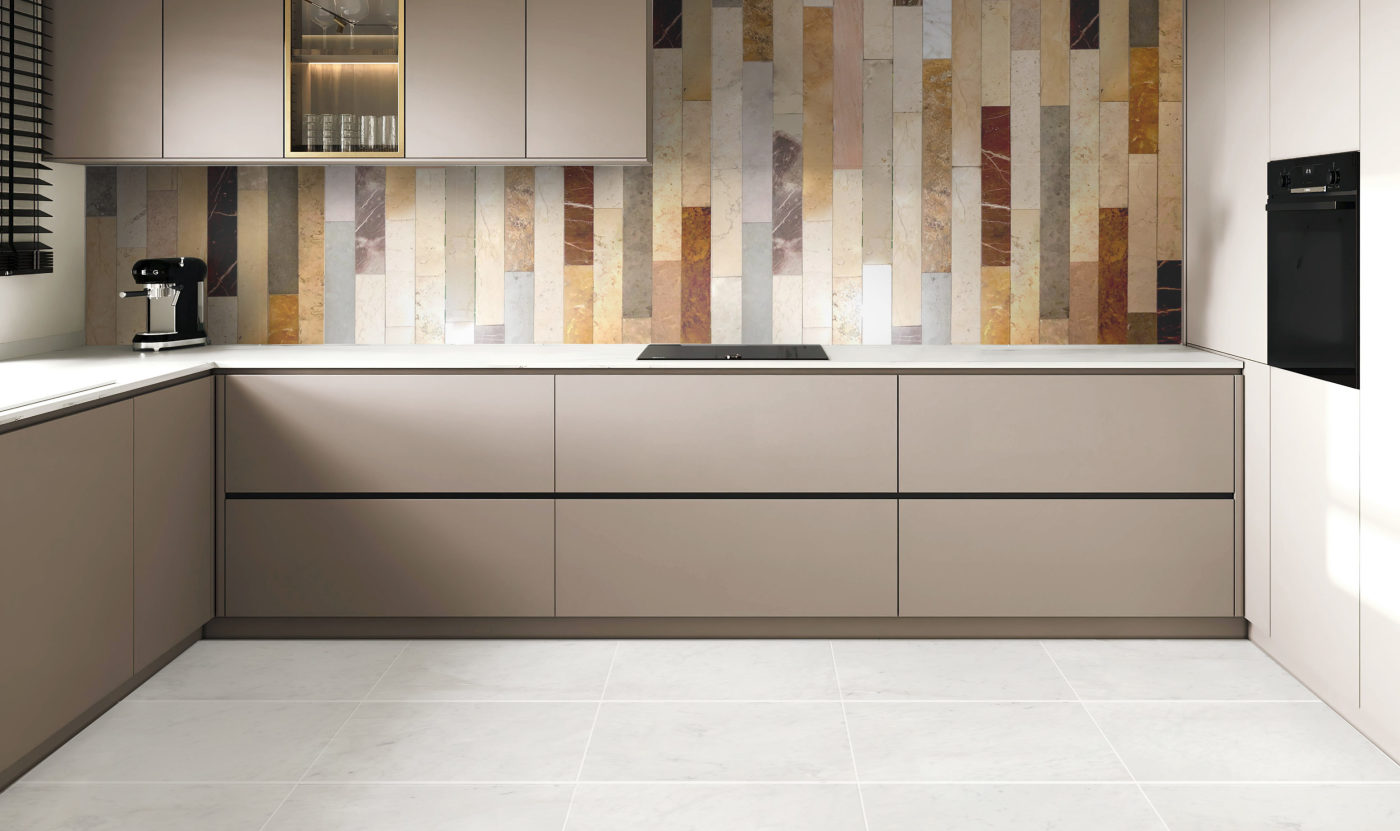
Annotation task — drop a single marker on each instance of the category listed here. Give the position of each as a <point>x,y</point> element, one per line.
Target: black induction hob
<point>732,352</point>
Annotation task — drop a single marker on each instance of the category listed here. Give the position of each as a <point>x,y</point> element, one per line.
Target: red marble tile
<point>1144,90</point>
<point>695,275</point>
<point>996,186</point>
<point>578,216</point>
<point>1113,275</point>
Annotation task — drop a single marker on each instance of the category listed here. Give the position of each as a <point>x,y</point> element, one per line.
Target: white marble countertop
<point>42,384</point>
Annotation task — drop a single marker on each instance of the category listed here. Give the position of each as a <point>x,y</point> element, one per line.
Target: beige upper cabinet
<point>464,79</point>
<point>106,79</point>
<point>223,79</point>
<point>586,79</point>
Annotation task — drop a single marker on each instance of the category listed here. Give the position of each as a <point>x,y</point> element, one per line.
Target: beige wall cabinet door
<point>174,516</point>
<point>223,79</point>
<point>1066,558</point>
<point>65,573</point>
<point>727,557</point>
<point>464,79</point>
<point>390,558</point>
<point>586,91</point>
<point>106,73</point>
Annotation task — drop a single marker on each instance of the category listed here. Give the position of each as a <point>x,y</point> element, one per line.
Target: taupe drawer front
<point>1066,557</point>
<point>390,433</point>
<point>1066,434</point>
<point>727,557</point>
<point>390,558</point>
<point>752,433</point>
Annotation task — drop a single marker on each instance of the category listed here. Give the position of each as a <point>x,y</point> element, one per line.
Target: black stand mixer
<point>174,291</point>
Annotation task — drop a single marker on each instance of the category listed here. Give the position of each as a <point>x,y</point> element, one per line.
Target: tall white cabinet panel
<point>1314,533</point>
<point>223,79</point>
<point>1227,151</point>
<point>464,79</point>
<point>1256,498</point>
<point>1380,392</point>
<point>1314,77</point>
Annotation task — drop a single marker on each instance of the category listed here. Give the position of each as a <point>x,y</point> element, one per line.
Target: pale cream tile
<point>1025,129</point>
<point>549,253</point>
<point>846,317</point>
<point>695,154</point>
<point>1025,276</point>
<point>726,138</point>
<point>607,187</point>
<point>787,56</point>
<point>846,223</point>
<point>908,59</point>
<point>1084,156</point>
<point>400,199</point>
<point>726,225</point>
<point>252,261</point>
<point>726,310</point>
<point>967,255</point>
<point>1142,233</point>
<point>878,32</point>
<point>490,246</point>
<point>607,275</point>
<point>1113,155</point>
<point>1169,182</point>
<point>399,288</point>
<point>787,308</point>
<point>430,229</point>
<point>816,275</point>
<point>695,51</point>
<point>1054,53</point>
<point>996,53</point>
<point>967,82</point>
<point>429,325</point>
<point>876,305</point>
<point>369,308</point>
<point>666,160</point>
<point>907,242</point>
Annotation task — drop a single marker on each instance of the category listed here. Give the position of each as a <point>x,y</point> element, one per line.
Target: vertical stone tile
<point>400,292</point>
<point>1113,50</point>
<point>578,304</point>
<point>666,23</point>
<point>430,256</point>
<point>937,165</point>
<point>282,318</point>
<point>996,304</point>
<point>490,245</point>
<point>1084,156</point>
<point>282,228</point>
<point>1169,183</point>
<point>429,313</point>
<point>876,305</point>
<point>726,225</point>
<point>787,57</point>
<point>787,308</point>
<point>1169,301</point>
<point>1025,25</point>
<point>1113,155</point>
<point>695,275</point>
<point>400,186</point>
<point>816,282</point>
<point>1025,276</point>
<point>757,289</point>
<point>495,333</point>
<point>1084,302</point>
<point>938,30</point>
<point>252,255</point>
<point>520,219</point>
<point>100,191</point>
<point>1054,332</point>
<point>369,220</point>
<point>340,307</point>
<point>549,255</point>
<point>908,58</point>
<point>222,230</point>
<point>847,83</point>
<point>311,254</point>
<point>758,142</point>
<point>1113,275</point>
<point>131,207</point>
<point>666,167</point>
<point>967,83</point>
<point>877,176</point>
<point>996,186</point>
<point>816,114</point>
<point>1054,213</point>
<point>695,154</point>
<point>607,275</point>
<point>758,31</point>
<point>846,241</point>
<point>460,254</point>
<point>607,187</point>
<point>192,194</point>
<point>636,330</point>
<point>996,53</point>
<point>695,52</point>
<point>520,307</point>
<point>1142,233</point>
<point>162,223</point>
<point>340,193</point>
<point>877,27</point>
<point>369,308</point>
<point>578,215</point>
<point>1084,24</point>
<point>1142,327</point>
<point>1142,100</point>
<point>846,309</point>
<point>726,133</point>
<point>100,262</point>
<point>1054,53</point>
<point>967,256</point>
<point>787,195</point>
<point>221,320</point>
<point>907,258</point>
<point>1142,23</point>
<point>636,242</point>
<point>937,326</point>
<point>727,310</point>
<point>1169,48</point>
<point>666,279</point>
<point>1025,128</point>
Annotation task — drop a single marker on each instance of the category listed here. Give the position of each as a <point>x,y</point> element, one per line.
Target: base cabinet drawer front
<point>390,558</point>
<point>1066,557</point>
<point>402,433</point>
<point>751,433</point>
<point>1066,434</point>
<point>727,558</point>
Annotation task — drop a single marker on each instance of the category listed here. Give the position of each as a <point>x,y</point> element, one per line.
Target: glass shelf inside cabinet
<point>344,78</point>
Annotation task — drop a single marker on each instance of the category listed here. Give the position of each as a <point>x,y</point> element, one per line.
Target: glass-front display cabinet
<point>344,92</point>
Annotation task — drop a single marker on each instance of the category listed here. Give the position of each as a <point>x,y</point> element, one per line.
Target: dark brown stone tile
<point>578,216</point>
<point>1169,301</point>
<point>996,186</point>
<point>695,275</point>
<point>223,232</point>
<point>1113,275</point>
<point>1084,24</point>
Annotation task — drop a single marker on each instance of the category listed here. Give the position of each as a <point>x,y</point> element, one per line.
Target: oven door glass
<point>1314,303</point>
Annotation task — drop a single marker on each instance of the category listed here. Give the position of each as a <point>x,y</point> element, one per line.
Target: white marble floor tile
<point>1070,807</point>
<point>1242,742</point>
<point>720,741</point>
<point>883,670</point>
<point>705,807</point>
<point>458,742</point>
<point>305,670</point>
<point>197,741</point>
<point>976,742</point>
<point>1174,669</point>
<point>518,670</point>
<point>723,670</point>
<point>424,808</point>
<point>1278,807</point>
<point>139,807</point>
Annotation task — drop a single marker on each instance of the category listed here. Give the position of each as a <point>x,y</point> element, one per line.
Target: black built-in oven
<point>1314,270</point>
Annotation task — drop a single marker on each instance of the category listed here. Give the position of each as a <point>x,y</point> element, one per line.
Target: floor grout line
<point>593,728</point>
<point>1106,739</point>
<point>850,742</point>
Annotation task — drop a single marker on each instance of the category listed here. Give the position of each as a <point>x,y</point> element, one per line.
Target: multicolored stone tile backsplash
<point>993,171</point>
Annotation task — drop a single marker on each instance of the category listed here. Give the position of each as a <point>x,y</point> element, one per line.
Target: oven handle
<point>1311,206</point>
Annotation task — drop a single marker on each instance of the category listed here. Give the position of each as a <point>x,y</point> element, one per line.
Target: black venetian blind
<point>23,105</point>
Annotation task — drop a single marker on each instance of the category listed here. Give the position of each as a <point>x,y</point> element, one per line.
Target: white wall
<point>43,312</point>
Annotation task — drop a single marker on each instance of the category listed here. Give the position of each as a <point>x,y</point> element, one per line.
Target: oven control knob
<point>1286,180</point>
<point>1335,178</point>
